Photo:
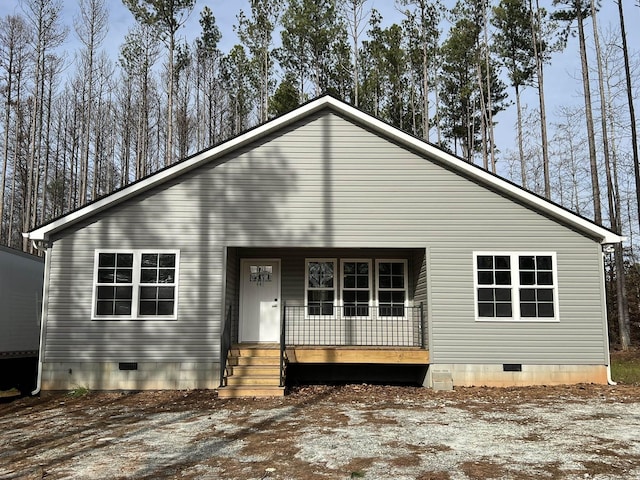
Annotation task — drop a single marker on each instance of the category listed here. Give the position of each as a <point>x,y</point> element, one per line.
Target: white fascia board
<point>162,176</point>
<point>538,203</point>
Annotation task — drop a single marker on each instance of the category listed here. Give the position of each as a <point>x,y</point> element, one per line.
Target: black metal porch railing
<point>225,344</point>
<point>353,326</point>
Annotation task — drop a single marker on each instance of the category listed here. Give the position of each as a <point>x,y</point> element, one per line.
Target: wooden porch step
<point>255,352</point>
<point>256,370</point>
<point>260,380</point>
<point>252,371</point>
<point>241,391</point>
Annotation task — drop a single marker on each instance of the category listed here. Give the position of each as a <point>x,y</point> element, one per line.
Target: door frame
<point>243,262</point>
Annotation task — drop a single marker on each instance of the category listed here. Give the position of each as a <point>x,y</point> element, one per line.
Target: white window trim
<point>370,289</point>
<point>336,276</point>
<point>406,284</point>
<point>515,287</point>
<point>137,259</point>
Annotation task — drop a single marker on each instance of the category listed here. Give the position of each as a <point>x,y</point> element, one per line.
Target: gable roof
<point>483,177</point>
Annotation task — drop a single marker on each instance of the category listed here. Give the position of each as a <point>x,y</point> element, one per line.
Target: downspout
<point>41,248</point>
<point>606,329</point>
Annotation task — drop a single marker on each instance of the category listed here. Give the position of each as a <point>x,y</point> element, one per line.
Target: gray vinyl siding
<point>325,183</point>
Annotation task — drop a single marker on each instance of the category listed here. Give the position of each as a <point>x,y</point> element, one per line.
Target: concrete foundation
<point>495,375</point>
<point>147,376</point>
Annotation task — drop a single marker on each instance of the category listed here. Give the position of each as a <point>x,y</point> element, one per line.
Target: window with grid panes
<point>392,287</point>
<point>515,286</point>
<point>321,287</point>
<point>356,287</point>
<point>135,284</point>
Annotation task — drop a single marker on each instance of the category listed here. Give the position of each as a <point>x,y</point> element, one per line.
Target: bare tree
<point>91,29</point>
<point>167,17</point>
<point>14,40</point>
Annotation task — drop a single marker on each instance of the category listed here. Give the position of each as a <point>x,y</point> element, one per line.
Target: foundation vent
<point>512,367</point>
<point>128,366</point>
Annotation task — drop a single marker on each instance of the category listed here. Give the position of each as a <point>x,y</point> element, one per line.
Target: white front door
<point>259,300</point>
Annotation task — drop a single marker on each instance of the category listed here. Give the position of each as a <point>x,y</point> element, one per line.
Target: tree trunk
<point>593,161</point>
<point>523,167</point>
<point>632,113</point>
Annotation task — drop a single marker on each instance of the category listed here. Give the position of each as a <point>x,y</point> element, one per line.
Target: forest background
<point>95,94</point>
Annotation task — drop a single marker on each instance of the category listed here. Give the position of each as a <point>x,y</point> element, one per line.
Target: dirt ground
<point>327,432</point>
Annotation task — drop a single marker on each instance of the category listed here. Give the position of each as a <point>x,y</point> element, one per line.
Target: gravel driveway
<point>346,432</point>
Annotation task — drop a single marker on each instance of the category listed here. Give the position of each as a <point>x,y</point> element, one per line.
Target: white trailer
<point>21,278</point>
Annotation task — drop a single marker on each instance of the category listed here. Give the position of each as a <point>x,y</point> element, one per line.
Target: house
<point>21,277</point>
<point>324,236</point>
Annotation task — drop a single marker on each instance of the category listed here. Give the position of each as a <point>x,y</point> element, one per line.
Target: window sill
<point>518,320</point>
<point>133,319</point>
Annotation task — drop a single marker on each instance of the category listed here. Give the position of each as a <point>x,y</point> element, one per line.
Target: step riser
<point>254,381</point>
<point>242,392</point>
<point>253,370</point>
<point>247,361</point>
<point>254,352</point>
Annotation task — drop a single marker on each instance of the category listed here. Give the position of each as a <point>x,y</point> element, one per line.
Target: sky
<point>562,77</point>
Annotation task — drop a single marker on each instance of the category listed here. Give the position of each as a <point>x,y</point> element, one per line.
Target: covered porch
<point>320,306</point>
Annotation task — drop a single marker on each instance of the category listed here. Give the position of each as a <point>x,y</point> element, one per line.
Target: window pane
<point>485,262</point>
<point>147,308</point>
<point>397,268</point>
<point>502,262</point>
<point>362,296</point>
<point>503,294</point>
<point>166,275</point>
<point>349,281</point>
<point>349,267</point>
<point>545,278</point>
<point>104,308</point>
<point>124,275</point>
<point>485,310</point>
<point>528,295</point>
<point>545,295</point>
<point>545,310</point>
<point>124,293</point>
<point>397,282</point>
<point>107,260</point>
<point>148,292</point>
<point>527,263</point>
<point>166,292</point>
<point>503,310</point>
<point>106,293</point>
<point>122,308</point>
<point>168,260</point>
<point>148,275</point>
<point>149,260</point>
<point>384,281</point>
<point>503,277</point>
<point>363,268</point>
<point>544,262</point>
<point>397,297</point>
<point>485,278</point>
<point>485,294</point>
<point>527,278</point>
<point>165,308</point>
<point>527,309</point>
<point>363,281</point>
<point>125,260</point>
<point>106,276</point>
<point>384,268</point>
<point>349,296</point>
